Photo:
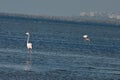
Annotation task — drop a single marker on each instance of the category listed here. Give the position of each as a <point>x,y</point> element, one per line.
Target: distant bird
<point>29,45</point>
<point>85,37</point>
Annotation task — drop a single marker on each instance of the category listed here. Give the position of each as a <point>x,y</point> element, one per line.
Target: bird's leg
<point>30,58</point>
<point>28,61</point>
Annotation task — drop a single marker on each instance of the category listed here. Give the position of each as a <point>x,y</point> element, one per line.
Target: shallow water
<point>59,52</point>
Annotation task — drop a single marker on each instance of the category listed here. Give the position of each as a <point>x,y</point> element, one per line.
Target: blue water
<point>59,52</point>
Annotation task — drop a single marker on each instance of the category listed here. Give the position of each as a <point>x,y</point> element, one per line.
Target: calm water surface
<point>59,52</point>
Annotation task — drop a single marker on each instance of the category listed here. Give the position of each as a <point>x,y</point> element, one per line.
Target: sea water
<point>59,51</point>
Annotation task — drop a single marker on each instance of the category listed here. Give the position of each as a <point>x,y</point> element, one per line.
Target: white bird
<point>85,37</point>
<point>29,59</point>
<point>29,45</point>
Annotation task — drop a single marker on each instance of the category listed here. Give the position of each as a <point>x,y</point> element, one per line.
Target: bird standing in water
<point>29,46</point>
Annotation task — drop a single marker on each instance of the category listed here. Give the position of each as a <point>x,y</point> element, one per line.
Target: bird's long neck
<point>28,38</point>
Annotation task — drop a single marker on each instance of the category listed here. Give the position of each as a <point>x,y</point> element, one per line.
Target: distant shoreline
<point>60,19</point>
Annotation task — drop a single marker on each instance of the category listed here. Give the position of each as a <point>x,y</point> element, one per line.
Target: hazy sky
<point>58,7</point>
